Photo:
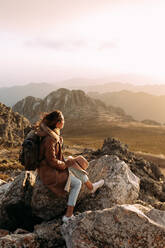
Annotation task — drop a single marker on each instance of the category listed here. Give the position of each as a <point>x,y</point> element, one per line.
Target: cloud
<point>71,45</point>
<point>58,44</point>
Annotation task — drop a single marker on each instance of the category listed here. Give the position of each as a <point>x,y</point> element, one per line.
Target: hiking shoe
<point>65,218</point>
<point>97,185</point>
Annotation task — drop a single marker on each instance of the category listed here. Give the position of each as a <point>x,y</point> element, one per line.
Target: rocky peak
<point>75,104</point>
<point>12,126</point>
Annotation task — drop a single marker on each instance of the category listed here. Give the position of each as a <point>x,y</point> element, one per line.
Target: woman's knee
<point>78,183</point>
<point>75,182</point>
<point>85,178</point>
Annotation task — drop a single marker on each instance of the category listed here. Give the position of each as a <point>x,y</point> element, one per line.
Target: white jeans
<point>76,182</point>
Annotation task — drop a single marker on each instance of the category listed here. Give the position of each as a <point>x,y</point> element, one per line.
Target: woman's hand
<point>69,161</point>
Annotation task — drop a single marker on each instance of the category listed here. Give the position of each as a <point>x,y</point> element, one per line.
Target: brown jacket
<point>52,169</point>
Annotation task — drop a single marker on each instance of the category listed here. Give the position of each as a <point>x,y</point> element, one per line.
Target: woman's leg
<point>84,179</point>
<point>89,185</point>
<point>69,211</point>
<point>73,194</point>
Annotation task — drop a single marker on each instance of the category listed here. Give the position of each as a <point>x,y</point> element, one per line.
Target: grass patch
<point>138,138</point>
<point>10,165</point>
<point>4,177</point>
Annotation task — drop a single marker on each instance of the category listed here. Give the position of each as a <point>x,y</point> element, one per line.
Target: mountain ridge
<point>10,95</point>
<point>76,106</point>
<point>139,105</point>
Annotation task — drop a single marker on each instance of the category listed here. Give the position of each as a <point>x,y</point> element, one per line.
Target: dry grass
<point>138,138</point>
<point>4,177</point>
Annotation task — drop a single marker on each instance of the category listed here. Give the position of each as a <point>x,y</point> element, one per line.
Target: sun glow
<point>126,37</point>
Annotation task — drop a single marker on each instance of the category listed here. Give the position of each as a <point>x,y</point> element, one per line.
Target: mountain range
<point>11,95</point>
<point>139,105</point>
<point>80,111</point>
<point>117,86</point>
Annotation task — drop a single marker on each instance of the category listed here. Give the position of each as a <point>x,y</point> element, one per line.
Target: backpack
<point>29,154</point>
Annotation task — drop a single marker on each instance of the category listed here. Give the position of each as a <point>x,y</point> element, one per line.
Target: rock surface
<point>27,204</point>
<point>4,188</point>
<point>15,208</point>
<point>121,185</point>
<point>45,204</point>
<point>12,127</point>
<point>19,241</point>
<point>126,226</point>
<point>49,234</point>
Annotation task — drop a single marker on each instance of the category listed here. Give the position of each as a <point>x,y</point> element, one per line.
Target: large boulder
<point>151,179</point>
<point>15,208</point>
<point>45,204</point>
<point>126,226</point>
<point>121,185</point>
<point>28,196</point>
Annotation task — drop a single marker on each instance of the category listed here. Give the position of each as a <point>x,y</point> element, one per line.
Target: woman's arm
<point>50,155</point>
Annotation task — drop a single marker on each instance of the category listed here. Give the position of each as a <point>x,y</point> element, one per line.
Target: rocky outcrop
<point>120,214</point>
<point>28,195</point>
<point>75,105</point>
<point>121,226</point>
<point>151,122</point>
<point>121,185</point>
<point>151,178</point>
<point>12,126</point>
<point>28,107</point>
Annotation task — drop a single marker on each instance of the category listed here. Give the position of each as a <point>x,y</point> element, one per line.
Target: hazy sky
<point>51,40</point>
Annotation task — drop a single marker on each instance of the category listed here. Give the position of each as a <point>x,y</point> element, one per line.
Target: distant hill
<point>10,95</point>
<point>12,127</point>
<point>79,109</point>
<point>117,86</point>
<point>139,105</point>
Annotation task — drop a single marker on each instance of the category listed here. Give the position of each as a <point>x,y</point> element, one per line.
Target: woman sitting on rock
<point>57,174</point>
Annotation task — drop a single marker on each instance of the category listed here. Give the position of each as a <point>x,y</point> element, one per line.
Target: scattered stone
<point>19,241</point>
<point>3,232</point>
